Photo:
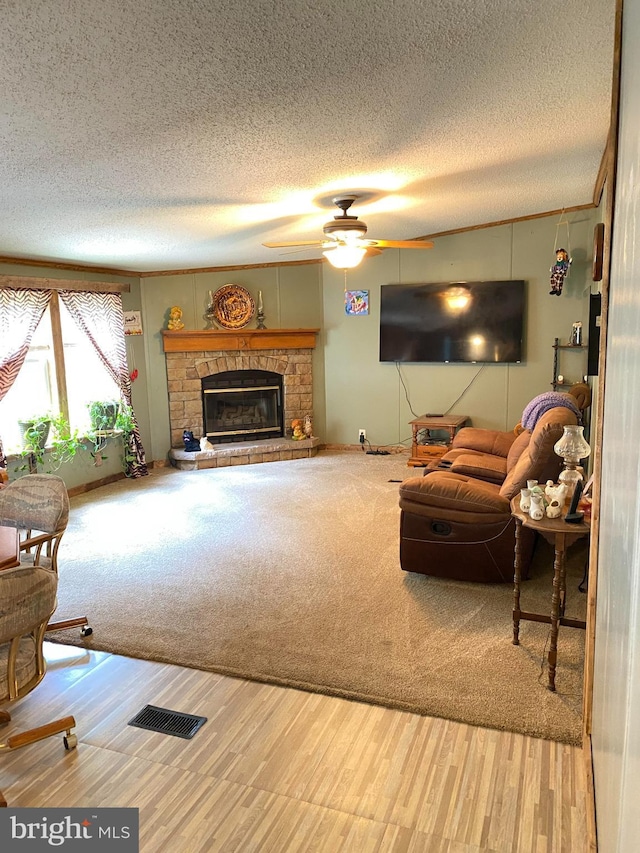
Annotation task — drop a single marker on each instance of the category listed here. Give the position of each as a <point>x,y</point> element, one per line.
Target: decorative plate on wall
<point>232,306</point>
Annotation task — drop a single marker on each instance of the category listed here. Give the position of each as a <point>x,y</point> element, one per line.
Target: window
<point>62,373</point>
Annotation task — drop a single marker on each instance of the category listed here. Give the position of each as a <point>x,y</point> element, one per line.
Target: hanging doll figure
<point>559,271</point>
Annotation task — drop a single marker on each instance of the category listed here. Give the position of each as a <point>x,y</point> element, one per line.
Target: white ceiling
<point>170,134</point>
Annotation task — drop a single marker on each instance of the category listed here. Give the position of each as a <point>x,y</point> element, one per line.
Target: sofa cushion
<point>538,460</point>
<point>491,441</point>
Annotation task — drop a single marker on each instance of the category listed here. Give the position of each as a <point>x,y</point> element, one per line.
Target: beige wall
<point>361,392</point>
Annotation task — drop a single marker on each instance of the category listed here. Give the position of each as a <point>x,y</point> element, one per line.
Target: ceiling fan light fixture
<point>346,229</point>
<point>349,237</point>
<point>345,257</point>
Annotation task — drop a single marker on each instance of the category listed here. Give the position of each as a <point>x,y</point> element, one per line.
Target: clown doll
<point>559,271</point>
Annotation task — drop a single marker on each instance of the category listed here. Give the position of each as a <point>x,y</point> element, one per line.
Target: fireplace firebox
<point>241,405</point>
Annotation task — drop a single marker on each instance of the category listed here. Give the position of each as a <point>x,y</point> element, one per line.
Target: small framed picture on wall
<point>356,302</point>
<point>133,322</point>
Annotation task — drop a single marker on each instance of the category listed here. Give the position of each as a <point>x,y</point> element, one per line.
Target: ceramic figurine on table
<point>555,493</point>
<point>559,271</point>
<point>554,510</point>
<point>537,507</point>
<point>525,500</point>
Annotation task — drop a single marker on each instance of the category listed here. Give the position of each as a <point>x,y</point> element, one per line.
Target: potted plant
<point>64,443</point>
<point>34,432</point>
<point>103,415</point>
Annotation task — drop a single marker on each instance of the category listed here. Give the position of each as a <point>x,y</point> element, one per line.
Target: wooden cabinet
<point>425,445</point>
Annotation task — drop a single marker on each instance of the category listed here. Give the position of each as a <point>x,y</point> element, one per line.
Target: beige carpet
<point>288,572</point>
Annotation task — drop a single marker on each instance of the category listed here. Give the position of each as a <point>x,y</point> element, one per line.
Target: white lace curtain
<point>100,317</point>
<point>20,312</point>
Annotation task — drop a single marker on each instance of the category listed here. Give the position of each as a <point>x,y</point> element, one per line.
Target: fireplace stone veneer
<point>187,366</point>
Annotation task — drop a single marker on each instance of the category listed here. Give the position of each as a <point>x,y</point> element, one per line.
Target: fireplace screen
<point>240,405</point>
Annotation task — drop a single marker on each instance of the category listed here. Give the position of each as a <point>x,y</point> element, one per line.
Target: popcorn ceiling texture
<point>167,135</point>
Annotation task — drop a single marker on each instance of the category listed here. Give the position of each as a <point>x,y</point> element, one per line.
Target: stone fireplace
<point>276,363</point>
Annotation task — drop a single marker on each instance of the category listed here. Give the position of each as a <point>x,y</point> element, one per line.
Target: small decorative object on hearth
<point>191,444</point>
<point>205,444</point>
<point>296,426</point>
<point>307,426</point>
<point>576,335</point>
<point>175,319</point>
<point>559,271</point>
<point>572,447</point>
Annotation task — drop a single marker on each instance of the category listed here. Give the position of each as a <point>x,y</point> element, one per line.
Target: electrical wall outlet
<point>362,435</point>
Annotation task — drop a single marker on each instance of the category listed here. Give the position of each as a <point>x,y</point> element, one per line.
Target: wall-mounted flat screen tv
<point>463,321</point>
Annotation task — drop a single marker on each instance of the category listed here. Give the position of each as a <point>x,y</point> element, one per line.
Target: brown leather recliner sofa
<point>483,453</point>
<point>456,525</point>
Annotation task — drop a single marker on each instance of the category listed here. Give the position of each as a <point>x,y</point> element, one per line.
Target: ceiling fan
<point>345,244</point>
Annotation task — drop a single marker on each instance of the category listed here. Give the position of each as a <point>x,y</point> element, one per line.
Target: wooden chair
<point>38,506</point>
<point>28,597</point>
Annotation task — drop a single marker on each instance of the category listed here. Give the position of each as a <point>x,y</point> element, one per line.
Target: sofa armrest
<point>491,441</point>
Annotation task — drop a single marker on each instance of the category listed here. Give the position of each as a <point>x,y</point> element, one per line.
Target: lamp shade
<point>573,445</point>
<point>345,257</point>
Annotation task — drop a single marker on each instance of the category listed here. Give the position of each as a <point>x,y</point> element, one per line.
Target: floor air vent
<point>167,722</point>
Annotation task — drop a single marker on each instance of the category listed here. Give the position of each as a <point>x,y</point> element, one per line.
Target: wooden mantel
<point>219,340</point>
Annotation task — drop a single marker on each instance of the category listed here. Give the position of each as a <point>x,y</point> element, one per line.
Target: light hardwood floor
<point>276,769</point>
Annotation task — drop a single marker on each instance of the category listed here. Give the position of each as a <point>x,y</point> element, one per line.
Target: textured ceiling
<point>167,134</point>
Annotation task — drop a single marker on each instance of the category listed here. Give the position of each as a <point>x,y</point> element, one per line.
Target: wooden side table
<point>561,535</point>
<point>423,454</point>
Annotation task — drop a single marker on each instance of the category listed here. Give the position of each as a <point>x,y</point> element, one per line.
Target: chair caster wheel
<point>70,742</point>
<point>87,631</point>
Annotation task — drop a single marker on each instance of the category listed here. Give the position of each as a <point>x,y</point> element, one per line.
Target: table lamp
<point>572,447</point>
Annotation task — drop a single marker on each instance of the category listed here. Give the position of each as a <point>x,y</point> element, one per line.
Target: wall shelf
<point>582,364</point>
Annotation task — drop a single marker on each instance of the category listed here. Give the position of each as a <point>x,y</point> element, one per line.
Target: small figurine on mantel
<point>175,319</point>
<point>559,271</point>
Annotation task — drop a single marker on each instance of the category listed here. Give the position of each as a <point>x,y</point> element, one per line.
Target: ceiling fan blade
<point>297,251</point>
<point>371,251</point>
<point>294,243</point>
<point>401,244</point>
